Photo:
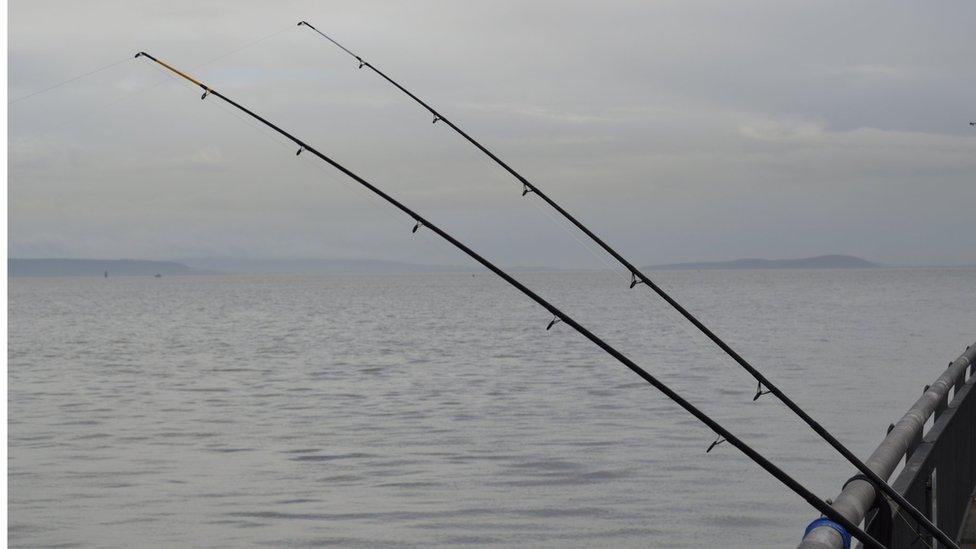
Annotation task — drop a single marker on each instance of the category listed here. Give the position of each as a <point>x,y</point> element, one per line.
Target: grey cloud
<point>680,131</point>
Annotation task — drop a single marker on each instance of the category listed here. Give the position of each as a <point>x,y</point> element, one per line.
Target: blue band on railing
<point>830,524</point>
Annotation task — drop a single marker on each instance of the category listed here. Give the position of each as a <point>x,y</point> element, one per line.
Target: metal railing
<point>939,473</point>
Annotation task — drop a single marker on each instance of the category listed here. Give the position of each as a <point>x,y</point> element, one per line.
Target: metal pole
<point>857,497</point>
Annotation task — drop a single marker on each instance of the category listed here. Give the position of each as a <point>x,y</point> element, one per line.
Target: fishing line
<point>722,433</point>
<point>244,47</point>
<point>354,191</point>
<point>127,59</point>
<point>639,278</point>
<point>310,165</point>
<point>125,96</point>
<point>69,80</point>
<point>267,134</point>
<point>436,245</point>
<point>609,267</point>
<point>603,263</point>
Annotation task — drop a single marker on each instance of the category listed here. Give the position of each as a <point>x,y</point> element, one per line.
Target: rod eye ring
<point>712,446</point>
<point>760,392</point>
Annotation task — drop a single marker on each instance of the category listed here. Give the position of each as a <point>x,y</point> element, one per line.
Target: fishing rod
<point>763,387</point>
<point>838,520</point>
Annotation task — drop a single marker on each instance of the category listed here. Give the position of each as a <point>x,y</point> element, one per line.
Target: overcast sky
<point>679,131</point>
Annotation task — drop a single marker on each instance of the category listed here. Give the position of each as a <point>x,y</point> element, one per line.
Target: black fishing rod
<point>637,277</point>
<point>558,316</point>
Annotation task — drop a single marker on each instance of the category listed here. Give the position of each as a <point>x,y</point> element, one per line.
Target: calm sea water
<point>436,410</point>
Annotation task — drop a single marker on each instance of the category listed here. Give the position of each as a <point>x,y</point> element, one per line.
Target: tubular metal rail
<point>939,473</point>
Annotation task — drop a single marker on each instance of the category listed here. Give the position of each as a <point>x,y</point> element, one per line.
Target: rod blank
<point>719,430</point>
<point>638,277</point>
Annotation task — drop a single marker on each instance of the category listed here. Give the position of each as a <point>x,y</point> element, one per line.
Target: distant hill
<point>228,265</point>
<point>819,262</point>
<point>94,267</point>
